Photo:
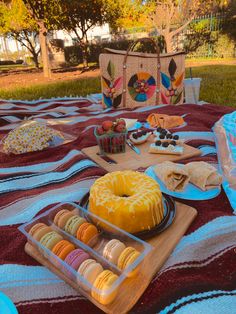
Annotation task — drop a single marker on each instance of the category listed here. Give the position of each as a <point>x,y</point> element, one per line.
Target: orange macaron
<point>86,233</point>
<point>63,248</point>
<point>61,218</point>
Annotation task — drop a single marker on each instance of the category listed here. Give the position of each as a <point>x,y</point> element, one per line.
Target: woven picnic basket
<point>131,79</point>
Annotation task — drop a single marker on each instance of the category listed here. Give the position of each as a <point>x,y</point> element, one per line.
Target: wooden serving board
<point>133,288</point>
<point>132,161</point>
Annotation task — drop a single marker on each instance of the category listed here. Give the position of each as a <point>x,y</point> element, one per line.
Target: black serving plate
<point>169,215</point>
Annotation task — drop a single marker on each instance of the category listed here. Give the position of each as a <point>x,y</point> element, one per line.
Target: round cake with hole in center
<point>128,199</point>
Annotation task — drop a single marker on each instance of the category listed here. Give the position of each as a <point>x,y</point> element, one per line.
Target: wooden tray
<point>133,288</point>
<point>132,161</point>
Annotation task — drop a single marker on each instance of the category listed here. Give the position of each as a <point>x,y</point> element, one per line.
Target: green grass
<point>218,86</point>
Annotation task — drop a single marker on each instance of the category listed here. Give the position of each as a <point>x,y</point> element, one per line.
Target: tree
<point>229,24</point>
<point>171,17</point>
<point>47,15</point>
<point>16,23</point>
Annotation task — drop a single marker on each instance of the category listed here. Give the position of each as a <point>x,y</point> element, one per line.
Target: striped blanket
<point>200,275</point>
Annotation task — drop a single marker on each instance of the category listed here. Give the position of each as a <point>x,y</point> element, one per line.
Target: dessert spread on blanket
<point>120,204</point>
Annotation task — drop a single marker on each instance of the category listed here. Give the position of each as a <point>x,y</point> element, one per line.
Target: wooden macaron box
<point>102,293</point>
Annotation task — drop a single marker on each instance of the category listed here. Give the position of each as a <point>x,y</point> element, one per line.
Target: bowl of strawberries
<point>111,136</point>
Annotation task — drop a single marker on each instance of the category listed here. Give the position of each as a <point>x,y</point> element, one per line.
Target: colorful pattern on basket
<point>111,87</point>
<point>200,273</point>
<point>171,83</point>
<point>141,86</point>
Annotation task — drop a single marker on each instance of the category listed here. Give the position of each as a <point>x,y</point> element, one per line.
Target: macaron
<point>127,257</point>
<point>112,250</point>
<point>86,233</point>
<point>62,217</point>
<point>50,239</point>
<point>89,270</point>
<point>39,230</point>
<point>75,258</point>
<point>102,285</point>
<point>63,248</point>
<point>73,224</point>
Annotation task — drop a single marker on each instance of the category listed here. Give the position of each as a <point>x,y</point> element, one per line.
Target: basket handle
<point>130,49</point>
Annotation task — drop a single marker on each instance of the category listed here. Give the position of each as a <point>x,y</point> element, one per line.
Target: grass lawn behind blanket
<point>218,86</point>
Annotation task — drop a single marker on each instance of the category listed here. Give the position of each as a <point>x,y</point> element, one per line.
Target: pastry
<point>166,147</point>
<point>87,233</point>
<point>63,248</point>
<point>128,199</point>
<point>73,224</point>
<point>139,137</point>
<point>62,217</point>
<point>102,285</point>
<point>50,239</point>
<point>174,177</point>
<point>127,257</point>
<point>89,270</point>
<point>75,258</point>
<point>164,121</point>
<point>39,230</point>
<point>112,250</point>
<point>203,175</point>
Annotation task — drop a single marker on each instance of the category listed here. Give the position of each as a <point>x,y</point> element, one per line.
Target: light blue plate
<point>191,192</point>
<point>136,126</point>
<point>6,305</point>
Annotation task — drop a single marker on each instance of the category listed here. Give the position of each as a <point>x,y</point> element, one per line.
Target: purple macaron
<point>76,258</point>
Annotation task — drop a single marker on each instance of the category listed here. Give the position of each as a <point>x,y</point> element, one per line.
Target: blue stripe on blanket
<point>211,302</point>
<point>23,183</point>
<point>220,225</point>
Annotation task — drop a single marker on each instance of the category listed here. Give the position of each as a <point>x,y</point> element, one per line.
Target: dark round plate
<point>169,215</point>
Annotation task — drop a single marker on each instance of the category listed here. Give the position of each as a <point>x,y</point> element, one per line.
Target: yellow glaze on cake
<point>128,199</point>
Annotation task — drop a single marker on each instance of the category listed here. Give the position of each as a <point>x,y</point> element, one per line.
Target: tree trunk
<point>44,50</point>
<point>85,54</point>
<point>35,59</point>
<point>168,40</point>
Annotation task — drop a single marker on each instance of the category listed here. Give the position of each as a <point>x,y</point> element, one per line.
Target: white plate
<point>191,192</point>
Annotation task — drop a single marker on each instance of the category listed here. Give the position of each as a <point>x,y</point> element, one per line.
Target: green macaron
<point>49,240</point>
<point>73,224</point>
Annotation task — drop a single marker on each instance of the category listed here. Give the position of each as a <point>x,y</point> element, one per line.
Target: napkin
<point>203,175</point>
<point>173,176</point>
<point>129,122</point>
<point>164,121</point>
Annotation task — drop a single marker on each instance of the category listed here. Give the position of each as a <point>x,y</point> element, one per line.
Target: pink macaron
<point>75,258</point>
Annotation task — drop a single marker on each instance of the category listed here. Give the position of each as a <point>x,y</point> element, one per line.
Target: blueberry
<point>176,137</point>
<point>159,129</point>
<point>144,132</point>
<point>162,136</point>
<point>168,136</point>
<point>139,134</point>
<point>165,144</point>
<point>135,136</point>
<point>158,143</point>
<point>164,132</point>
<point>173,143</point>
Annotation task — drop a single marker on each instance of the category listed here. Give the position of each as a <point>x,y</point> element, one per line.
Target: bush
<point>7,62</point>
<point>19,61</point>
<point>73,54</point>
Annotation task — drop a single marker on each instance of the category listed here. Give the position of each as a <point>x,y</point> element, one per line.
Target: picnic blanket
<point>199,276</point>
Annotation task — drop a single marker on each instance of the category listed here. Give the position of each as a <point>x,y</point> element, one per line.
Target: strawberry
<point>107,125</point>
<point>121,122</point>
<point>100,131</point>
<point>119,128</point>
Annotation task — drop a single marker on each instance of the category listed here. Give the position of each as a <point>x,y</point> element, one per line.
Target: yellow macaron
<point>102,285</point>
<point>126,258</point>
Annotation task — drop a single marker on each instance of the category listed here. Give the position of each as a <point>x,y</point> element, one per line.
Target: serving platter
<point>133,161</point>
<point>133,288</point>
<point>191,192</point>
<point>169,215</point>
